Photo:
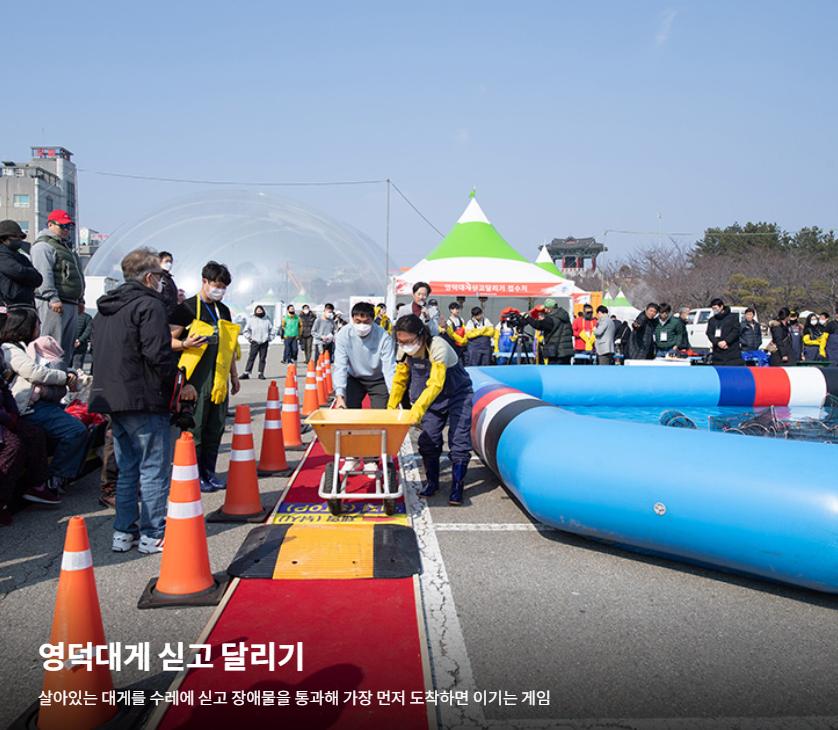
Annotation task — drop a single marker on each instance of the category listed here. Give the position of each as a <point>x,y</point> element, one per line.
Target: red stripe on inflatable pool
<point>487,398</point>
<point>773,387</point>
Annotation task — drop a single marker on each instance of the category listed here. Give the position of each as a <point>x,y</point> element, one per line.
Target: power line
<point>232,182</point>
<point>442,235</point>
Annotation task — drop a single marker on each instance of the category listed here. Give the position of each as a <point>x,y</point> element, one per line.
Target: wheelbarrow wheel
<point>328,482</point>
<point>390,504</point>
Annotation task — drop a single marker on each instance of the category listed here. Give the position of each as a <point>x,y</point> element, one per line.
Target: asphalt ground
<point>616,638</point>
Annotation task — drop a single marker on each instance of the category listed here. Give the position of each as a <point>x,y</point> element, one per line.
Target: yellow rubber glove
<point>399,385</point>
<point>436,381</point>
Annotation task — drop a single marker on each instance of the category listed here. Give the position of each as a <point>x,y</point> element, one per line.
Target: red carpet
<point>362,664</point>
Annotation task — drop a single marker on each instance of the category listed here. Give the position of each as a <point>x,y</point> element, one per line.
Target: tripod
<point>522,347</point>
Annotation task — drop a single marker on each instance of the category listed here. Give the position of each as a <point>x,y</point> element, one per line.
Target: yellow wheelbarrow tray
<point>358,433</point>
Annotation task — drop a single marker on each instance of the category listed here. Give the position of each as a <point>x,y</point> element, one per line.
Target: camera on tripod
<point>514,318</point>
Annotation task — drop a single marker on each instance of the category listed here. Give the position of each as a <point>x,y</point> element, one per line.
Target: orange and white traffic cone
<point>310,400</point>
<point>77,620</point>
<point>322,397</point>
<point>291,431</point>
<point>327,373</point>
<point>272,456</point>
<point>185,575</point>
<point>241,501</point>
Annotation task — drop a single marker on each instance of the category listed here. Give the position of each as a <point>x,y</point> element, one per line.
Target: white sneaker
<point>349,464</point>
<point>123,541</point>
<point>150,544</point>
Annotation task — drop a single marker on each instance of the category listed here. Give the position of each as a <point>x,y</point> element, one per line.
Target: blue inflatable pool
<point>764,507</point>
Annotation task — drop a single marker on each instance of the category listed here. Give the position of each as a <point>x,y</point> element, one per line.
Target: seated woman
<point>24,469</point>
<point>440,391</point>
<point>22,326</point>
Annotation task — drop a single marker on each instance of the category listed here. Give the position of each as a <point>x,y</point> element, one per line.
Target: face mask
<point>330,315</point>
<point>216,293</point>
<point>305,311</point>
<point>160,286</point>
<point>166,265</point>
<point>259,314</point>
<point>589,315</point>
<point>362,329</point>
<point>292,314</point>
<point>410,349</point>
<point>824,321</point>
<point>14,243</point>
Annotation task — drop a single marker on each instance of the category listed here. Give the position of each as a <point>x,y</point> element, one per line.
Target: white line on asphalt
<point>492,527</point>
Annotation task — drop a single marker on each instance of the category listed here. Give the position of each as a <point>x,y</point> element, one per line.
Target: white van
<point>697,326</point>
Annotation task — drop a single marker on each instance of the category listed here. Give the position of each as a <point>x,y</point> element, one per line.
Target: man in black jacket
<point>134,372</point>
<point>18,278</point>
<point>723,333</point>
<point>641,344</point>
<point>557,346</point>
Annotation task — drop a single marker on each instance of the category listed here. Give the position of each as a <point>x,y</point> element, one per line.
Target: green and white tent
<point>545,261</point>
<point>474,260</point>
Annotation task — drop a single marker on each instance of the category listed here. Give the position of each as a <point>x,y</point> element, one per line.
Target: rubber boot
<point>432,473</point>
<point>458,477</point>
<point>206,471</point>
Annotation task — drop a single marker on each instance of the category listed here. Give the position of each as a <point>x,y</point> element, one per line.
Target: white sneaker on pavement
<point>123,541</point>
<point>150,544</point>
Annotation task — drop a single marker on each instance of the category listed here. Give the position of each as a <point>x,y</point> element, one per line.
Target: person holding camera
<point>134,374</point>
<point>557,345</point>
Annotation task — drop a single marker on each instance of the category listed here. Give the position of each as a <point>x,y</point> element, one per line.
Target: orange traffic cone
<point>310,400</point>
<point>322,397</point>
<point>77,620</point>
<point>185,576</point>
<point>272,457</point>
<point>327,373</point>
<point>241,502</point>
<point>291,433</point>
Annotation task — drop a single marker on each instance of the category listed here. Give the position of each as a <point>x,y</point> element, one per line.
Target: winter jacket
<point>641,344</point>
<point>306,323</point>
<point>134,367</point>
<point>84,328</point>
<point>29,374</point>
<point>796,335</point>
<point>558,332</point>
<point>583,334</point>
<point>832,342</point>
<point>724,326</point>
<point>781,337</point>
<point>669,334</point>
<point>258,330</point>
<point>18,279</point>
<point>169,293</point>
<point>60,268</point>
<point>750,336</point>
<point>604,333</point>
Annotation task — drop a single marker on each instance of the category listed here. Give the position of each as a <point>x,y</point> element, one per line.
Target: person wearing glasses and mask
<point>18,278</point>
<point>58,297</point>
<point>440,393</point>
<point>204,334</point>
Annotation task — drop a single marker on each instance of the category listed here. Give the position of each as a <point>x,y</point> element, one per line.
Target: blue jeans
<point>291,349</point>
<point>142,443</point>
<point>70,432</point>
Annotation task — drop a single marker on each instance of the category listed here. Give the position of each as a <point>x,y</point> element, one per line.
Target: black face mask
<point>589,315</point>
<point>14,243</point>
<point>259,314</point>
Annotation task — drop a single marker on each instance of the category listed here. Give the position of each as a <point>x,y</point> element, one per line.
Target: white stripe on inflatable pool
<point>489,413</point>
<point>808,386</point>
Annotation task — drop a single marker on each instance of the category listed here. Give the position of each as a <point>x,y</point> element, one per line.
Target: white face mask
<point>362,329</point>
<point>166,265</point>
<point>216,293</point>
<point>330,315</point>
<point>160,286</point>
<point>411,349</point>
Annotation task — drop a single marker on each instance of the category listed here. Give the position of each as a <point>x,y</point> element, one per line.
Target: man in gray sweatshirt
<point>57,299</point>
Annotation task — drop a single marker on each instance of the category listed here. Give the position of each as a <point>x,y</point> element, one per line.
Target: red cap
<point>59,216</point>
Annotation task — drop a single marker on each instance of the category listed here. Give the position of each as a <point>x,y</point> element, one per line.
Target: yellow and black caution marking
<point>351,512</point>
<point>326,551</point>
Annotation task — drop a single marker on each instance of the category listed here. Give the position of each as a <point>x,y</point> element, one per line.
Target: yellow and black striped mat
<point>328,551</point>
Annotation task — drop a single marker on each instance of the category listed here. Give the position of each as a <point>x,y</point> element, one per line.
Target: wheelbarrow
<point>358,433</point>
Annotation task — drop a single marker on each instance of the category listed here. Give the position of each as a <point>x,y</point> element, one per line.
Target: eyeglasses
<point>64,226</point>
<point>409,343</point>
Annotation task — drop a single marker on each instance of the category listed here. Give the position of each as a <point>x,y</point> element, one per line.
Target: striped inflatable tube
<point>763,507</point>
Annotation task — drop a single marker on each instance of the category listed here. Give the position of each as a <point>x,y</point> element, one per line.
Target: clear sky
<point>570,118</point>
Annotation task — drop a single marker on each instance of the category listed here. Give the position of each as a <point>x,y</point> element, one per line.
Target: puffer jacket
<point>28,374</point>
